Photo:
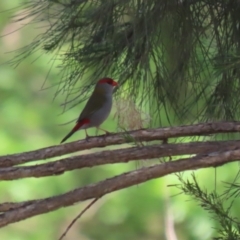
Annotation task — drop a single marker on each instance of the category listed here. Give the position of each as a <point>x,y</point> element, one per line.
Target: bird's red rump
<point>81,123</point>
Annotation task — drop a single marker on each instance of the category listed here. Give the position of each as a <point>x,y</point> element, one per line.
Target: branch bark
<point>20,211</point>
<point>114,156</point>
<point>207,155</point>
<point>120,138</point>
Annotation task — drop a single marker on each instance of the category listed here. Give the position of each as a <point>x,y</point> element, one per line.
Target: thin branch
<point>77,217</point>
<point>36,207</point>
<point>114,156</point>
<point>120,138</point>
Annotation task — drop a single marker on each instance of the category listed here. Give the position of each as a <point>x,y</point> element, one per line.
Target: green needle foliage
<point>172,57</point>
<point>215,204</point>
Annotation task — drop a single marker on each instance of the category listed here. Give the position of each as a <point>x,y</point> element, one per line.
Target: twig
<point>77,217</point>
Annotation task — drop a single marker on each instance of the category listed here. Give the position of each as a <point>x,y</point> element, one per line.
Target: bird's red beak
<point>114,83</point>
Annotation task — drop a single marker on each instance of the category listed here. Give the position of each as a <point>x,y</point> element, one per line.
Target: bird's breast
<point>99,116</point>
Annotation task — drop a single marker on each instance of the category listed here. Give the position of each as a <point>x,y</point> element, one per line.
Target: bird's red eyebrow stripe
<point>81,123</point>
<point>105,80</point>
<point>109,81</point>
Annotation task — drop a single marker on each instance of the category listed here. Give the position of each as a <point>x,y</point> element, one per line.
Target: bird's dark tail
<point>77,127</point>
<point>68,136</point>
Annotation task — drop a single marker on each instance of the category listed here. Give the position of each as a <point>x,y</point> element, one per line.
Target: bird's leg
<point>87,136</point>
<point>107,133</point>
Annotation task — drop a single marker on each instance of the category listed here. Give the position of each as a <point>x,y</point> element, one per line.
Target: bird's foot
<point>107,133</point>
<point>87,138</point>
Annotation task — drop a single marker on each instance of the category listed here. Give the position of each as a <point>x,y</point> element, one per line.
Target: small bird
<point>97,108</point>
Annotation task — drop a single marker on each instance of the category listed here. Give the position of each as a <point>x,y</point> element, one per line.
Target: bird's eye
<point>110,82</point>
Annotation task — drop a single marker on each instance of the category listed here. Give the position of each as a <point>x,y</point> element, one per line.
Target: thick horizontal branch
<point>115,156</point>
<point>120,138</point>
<point>35,207</point>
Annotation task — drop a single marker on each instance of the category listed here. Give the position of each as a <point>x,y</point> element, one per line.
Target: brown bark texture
<point>162,144</point>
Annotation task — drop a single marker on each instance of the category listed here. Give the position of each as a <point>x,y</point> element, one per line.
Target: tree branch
<point>114,156</point>
<point>120,138</point>
<point>207,156</point>
<point>35,207</point>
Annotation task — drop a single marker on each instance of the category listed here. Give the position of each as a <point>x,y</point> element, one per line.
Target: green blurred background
<point>30,120</point>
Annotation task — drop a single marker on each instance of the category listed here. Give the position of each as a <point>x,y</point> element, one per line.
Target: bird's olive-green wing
<point>95,102</point>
